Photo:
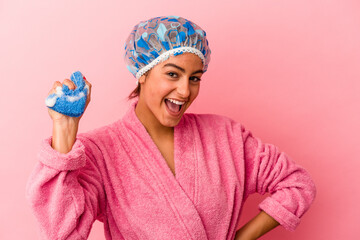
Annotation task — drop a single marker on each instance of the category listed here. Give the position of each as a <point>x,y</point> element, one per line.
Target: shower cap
<point>154,40</point>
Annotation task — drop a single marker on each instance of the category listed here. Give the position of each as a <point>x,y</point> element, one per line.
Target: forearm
<point>64,136</point>
<point>256,227</point>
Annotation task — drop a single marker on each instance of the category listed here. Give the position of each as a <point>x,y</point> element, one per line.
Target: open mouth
<point>174,106</point>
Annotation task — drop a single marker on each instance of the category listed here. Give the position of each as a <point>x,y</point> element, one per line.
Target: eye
<point>195,79</point>
<point>172,74</point>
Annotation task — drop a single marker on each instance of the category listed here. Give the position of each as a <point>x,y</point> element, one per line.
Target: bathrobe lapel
<point>185,159</point>
<point>179,190</point>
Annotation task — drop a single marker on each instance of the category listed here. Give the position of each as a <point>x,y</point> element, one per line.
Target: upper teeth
<point>176,102</point>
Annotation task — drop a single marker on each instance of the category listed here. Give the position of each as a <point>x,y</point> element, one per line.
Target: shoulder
<point>100,135</point>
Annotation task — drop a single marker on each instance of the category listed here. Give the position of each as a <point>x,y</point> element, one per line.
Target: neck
<point>151,123</point>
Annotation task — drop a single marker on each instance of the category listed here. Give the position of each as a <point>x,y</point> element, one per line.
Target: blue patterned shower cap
<point>154,40</point>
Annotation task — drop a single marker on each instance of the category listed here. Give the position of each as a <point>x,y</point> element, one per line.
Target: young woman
<point>159,173</point>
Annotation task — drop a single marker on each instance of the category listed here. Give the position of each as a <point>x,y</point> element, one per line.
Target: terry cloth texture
<point>117,175</point>
<point>154,40</point>
<point>69,102</point>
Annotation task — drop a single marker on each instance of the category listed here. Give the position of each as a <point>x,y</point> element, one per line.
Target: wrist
<point>64,136</point>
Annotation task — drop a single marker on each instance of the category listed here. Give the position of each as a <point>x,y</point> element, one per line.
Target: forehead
<point>185,60</point>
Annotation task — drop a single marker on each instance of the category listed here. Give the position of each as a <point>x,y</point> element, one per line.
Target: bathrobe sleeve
<point>65,191</point>
<point>268,170</point>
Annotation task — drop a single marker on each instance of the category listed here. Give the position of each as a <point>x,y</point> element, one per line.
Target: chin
<point>171,123</point>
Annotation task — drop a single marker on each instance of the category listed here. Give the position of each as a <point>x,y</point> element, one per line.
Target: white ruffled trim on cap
<point>166,55</point>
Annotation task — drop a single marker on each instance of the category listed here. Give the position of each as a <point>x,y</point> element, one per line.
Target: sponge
<point>69,102</point>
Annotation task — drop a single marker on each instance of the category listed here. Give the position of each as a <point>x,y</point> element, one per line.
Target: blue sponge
<point>69,102</point>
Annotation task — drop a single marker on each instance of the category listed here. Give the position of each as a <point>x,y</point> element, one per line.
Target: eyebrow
<point>180,68</point>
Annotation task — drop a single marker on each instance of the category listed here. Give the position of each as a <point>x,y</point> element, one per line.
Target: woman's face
<point>169,89</point>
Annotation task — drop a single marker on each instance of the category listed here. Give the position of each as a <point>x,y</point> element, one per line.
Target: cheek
<point>163,88</point>
<point>195,91</point>
<point>159,90</point>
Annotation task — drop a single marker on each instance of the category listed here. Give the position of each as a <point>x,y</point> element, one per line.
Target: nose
<point>183,88</point>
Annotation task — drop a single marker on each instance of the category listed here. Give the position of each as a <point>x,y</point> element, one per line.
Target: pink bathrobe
<point>117,175</point>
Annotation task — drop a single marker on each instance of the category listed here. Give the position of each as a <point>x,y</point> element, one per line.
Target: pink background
<point>288,70</point>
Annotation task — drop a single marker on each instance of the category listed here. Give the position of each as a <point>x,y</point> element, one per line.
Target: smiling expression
<point>168,90</point>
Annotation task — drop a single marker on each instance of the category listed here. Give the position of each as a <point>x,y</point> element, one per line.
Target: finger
<point>55,85</point>
<point>71,85</point>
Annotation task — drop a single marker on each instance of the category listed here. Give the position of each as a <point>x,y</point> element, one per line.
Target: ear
<point>142,78</point>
